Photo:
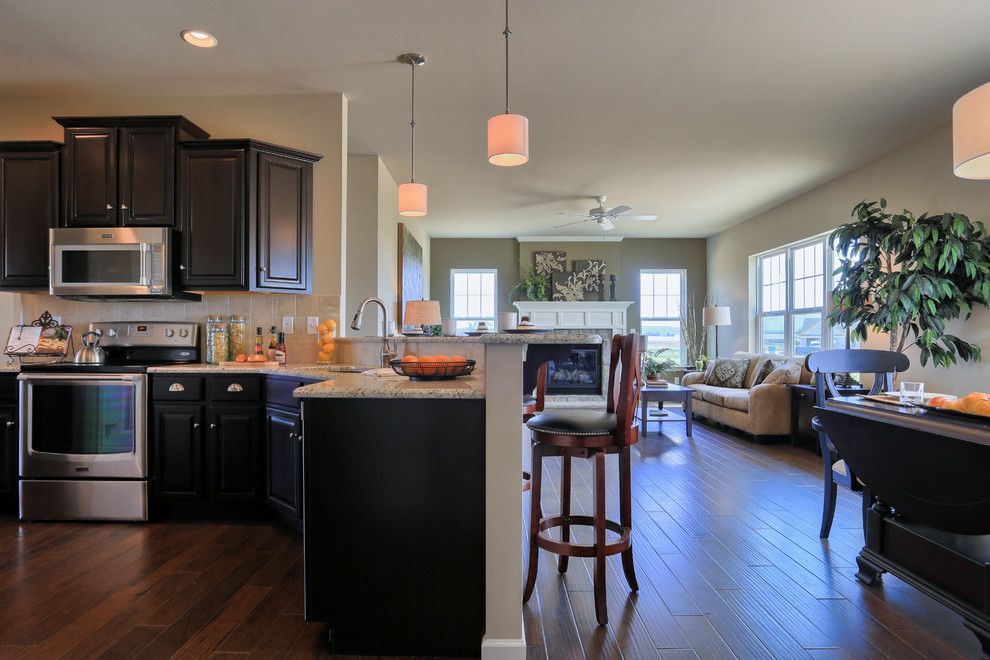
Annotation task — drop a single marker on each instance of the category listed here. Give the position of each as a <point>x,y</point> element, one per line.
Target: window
<point>793,300</point>
<point>661,306</point>
<point>472,297</point>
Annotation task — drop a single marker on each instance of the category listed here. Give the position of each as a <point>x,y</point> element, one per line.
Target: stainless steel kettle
<point>90,353</point>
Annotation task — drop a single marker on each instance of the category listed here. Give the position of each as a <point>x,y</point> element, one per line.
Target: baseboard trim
<point>503,649</point>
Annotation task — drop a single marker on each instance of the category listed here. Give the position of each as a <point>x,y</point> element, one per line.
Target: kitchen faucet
<point>387,352</point>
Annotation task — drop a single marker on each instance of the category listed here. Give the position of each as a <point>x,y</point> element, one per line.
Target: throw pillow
<point>788,373</point>
<point>765,370</point>
<point>727,373</point>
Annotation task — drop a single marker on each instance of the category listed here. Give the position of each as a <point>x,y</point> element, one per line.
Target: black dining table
<point>928,474</point>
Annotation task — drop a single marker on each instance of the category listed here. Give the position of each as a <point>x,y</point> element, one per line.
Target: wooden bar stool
<point>587,434</point>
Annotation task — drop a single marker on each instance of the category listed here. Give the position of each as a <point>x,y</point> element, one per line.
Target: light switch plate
<point>287,324</point>
<point>311,323</point>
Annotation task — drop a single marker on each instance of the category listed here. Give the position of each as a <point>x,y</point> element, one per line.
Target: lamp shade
<point>971,134</point>
<point>508,140</point>
<point>422,312</point>
<point>716,316</point>
<point>412,200</point>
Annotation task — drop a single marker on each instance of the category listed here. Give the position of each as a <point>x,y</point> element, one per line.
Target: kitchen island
<point>412,506</point>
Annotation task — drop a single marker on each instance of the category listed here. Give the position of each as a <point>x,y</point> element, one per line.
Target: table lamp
<point>716,316</point>
<point>421,312</point>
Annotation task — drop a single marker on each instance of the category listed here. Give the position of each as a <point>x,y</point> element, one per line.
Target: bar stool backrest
<point>623,391</point>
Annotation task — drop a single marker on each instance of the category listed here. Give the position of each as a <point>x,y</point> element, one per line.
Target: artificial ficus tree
<point>908,276</point>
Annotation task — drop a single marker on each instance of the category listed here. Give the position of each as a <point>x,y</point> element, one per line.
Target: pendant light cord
<point>506,32</point>
<point>412,128</point>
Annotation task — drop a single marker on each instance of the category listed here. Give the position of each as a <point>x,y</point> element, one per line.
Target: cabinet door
<point>147,176</point>
<point>283,436</point>
<point>212,218</point>
<point>28,209</point>
<point>284,223</point>
<point>234,452</point>
<point>8,451</point>
<point>178,451</point>
<point>90,189</point>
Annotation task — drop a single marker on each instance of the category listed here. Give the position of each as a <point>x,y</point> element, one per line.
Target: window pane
<point>772,334</point>
<point>645,285</point>
<point>488,284</point>
<point>807,333</point>
<point>474,284</point>
<point>663,335</point>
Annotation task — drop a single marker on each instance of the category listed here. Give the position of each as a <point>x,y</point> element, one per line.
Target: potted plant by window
<point>655,364</point>
<point>907,276</point>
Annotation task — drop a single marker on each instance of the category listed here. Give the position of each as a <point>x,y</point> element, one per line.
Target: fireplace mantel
<point>586,315</point>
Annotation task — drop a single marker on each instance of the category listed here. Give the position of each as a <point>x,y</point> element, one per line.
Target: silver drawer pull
<point>235,387</point>
<point>176,387</point>
<point>9,424</point>
<point>195,425</point>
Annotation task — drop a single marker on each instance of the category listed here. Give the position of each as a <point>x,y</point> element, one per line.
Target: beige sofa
<point>761,410</point>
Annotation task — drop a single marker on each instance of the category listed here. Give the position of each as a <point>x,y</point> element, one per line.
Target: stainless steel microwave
<point>116,261</point>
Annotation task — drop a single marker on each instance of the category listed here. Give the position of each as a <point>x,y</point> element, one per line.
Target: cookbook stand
<point>43,341</point>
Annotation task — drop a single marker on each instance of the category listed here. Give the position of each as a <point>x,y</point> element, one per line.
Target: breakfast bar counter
<point>412,505</point>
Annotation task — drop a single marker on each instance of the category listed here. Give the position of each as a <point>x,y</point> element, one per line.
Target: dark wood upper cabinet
<point>246,216</point>
<point>120,171</point>
<point>29,207</point>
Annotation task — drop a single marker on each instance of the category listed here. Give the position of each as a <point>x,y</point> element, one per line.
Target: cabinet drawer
<point>278,390</point>
<point>165,387</point>
<point>234,388</point>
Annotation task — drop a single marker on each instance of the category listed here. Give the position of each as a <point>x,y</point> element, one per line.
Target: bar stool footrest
<point>569,549</point>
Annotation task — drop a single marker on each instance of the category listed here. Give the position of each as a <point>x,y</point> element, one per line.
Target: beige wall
<point>917,177</point>
<point>372,242</point>
<point>623,258</point>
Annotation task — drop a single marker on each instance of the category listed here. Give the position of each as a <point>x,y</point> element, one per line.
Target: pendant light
<point>508,134</point>
<point>971,134</point>
<point>412,195</point>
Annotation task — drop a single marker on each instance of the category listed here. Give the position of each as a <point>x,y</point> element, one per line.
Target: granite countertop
<point>491,338</point>
<point>369,386</point>
<point>10,368</point>
<point>298,370</point>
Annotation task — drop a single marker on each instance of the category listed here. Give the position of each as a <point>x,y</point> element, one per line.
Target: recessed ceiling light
<point>199,38</point>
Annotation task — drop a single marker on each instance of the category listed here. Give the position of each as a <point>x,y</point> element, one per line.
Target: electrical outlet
<point>287,323</point>
<point>311,323</point>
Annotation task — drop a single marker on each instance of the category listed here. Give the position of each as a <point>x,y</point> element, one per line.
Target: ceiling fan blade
<point>574,215</point>
<point>647,218</point>
<point>597,210</point>
<point>618,209</point>
<point>568,224</point>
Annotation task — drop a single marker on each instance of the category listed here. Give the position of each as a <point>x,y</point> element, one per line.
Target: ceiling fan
<point>605,216</point>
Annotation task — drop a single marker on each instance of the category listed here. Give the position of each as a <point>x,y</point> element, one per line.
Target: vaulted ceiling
<point>704,112</point>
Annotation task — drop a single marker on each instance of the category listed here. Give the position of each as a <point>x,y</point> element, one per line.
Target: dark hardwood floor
<point>726,552</point>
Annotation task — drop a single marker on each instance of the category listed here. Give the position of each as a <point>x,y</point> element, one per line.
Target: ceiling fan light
<point>508,140</point>
<point>412,200</point>
<point>607,224</point>
<point>971,134</point>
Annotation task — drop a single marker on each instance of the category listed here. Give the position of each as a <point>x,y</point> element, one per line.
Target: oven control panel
<point>147,333</point>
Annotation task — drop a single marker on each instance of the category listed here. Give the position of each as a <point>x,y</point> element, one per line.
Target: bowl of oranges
<point>974,404</point>
<point>432,367</point>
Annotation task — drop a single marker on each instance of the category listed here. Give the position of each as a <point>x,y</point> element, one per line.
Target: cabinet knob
<point>235,387</point>
<point>195,425</point>
<point>123,207</point>
<point>9,424</point>
<point>109,207</point>
<point>181,267</point>
<point>213,427</point>
<point>264,269</point>
<point>299,437</point>
<point>292,434</point>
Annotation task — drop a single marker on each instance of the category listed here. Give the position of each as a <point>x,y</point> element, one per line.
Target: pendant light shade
<point>412,195</point>
<point>971,134</point>
<point>508,134</point>
<point>508,140</point>
<point>412,200</point>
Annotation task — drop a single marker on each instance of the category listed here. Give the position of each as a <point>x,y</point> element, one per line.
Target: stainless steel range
<point>84,430</point>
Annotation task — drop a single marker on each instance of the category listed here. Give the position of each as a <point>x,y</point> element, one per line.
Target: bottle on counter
<point>273,331</point>
<point>280,349</point>
<point>259,343</point>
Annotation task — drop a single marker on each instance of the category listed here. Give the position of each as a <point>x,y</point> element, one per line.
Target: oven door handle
<point>69,377</point>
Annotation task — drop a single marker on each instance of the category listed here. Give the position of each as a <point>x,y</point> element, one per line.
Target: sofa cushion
<point>727,397</point>
<point>766,366</point>
<point>728,372</point>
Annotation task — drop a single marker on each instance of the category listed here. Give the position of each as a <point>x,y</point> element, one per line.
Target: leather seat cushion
<point>574,422</point>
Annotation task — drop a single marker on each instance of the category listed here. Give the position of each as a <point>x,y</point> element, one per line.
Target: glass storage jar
<point>217,340</point>
<point>238,335</point>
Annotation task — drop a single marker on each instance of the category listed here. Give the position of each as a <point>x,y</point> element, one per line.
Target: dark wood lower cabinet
<point>178,442</point>
<point>8,453</point>
<point>234,451</point>
<point>283,435</point>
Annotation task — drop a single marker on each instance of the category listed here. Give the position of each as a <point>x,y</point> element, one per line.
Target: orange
<point>410,358</point>
<point>241,358</point>
<point>458,359</point>
<point>977,396</point>
<point>981,407</point>
<point>937,401</point>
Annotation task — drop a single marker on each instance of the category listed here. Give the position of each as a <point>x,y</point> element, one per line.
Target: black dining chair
<point>825,365</point>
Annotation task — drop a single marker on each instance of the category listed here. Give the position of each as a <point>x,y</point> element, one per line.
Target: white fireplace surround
<point>602,318</point>
<point>580,315</point>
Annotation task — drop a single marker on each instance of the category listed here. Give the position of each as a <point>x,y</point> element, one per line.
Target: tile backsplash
<point>261,309</point>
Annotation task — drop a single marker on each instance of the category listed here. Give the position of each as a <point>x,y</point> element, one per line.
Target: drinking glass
<point>912,392</point>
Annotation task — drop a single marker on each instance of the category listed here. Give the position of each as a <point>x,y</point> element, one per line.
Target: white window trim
<point>829,265</point>
<point>456,271</point>
<point>639,298</point>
